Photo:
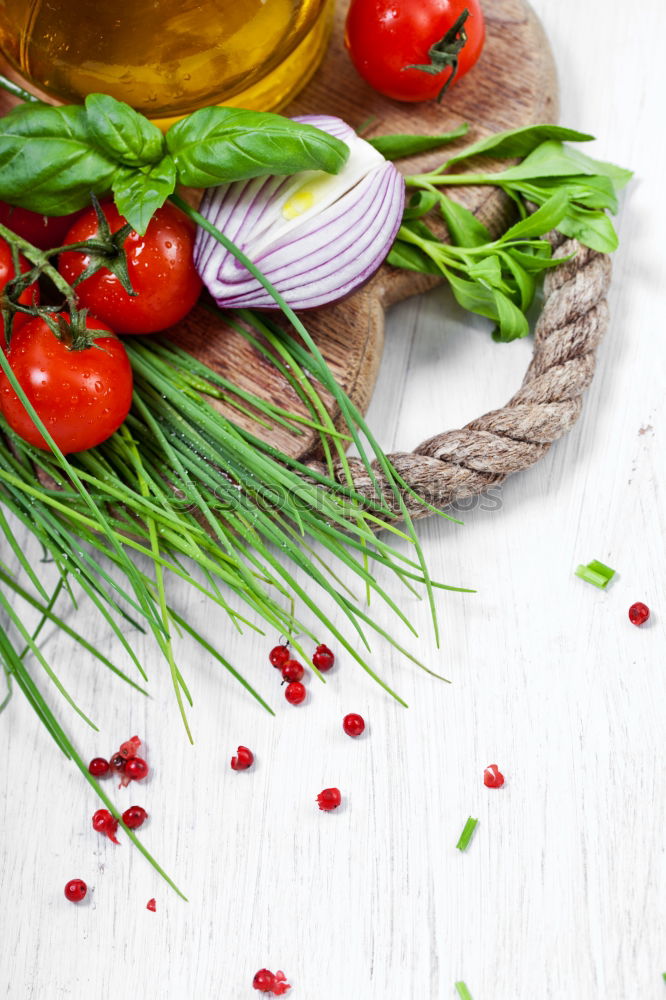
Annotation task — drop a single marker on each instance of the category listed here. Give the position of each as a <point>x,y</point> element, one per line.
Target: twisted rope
<point>458,464</point>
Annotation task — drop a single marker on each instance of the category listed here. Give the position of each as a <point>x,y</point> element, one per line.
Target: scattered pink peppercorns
<point>136,768</point>
<point>293,671</point>
<point>76,890</point>
<point>117,763</point>
<point>151,905</point>
<point>329,799</point>
<point>130,747</point>
<point>244,758</point>
<point>99,767</point>
<point>279,655</point>
<point>105,823</point>
<point>323,658</point>
<point>264,981</point>
<point>295,693</point>
<point>267,982</point>
<point>353,724</point>
<point>281,984</point>
<point>134,817</point>
<point>493,777</point>
<point>639,613</point>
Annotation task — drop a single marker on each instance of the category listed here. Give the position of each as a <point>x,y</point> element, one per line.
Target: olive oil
<point>167,57</point>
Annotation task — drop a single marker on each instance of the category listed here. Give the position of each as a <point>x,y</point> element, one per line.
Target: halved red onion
<point>315,236</point>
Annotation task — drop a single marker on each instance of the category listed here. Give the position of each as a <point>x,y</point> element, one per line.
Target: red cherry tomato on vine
<point>160,266</point>
<point>384,37</point>
<point>28,297</point>
<point>81,396</point>
<point>43,231</point>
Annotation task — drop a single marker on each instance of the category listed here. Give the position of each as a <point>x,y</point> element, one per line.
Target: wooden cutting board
<point>513,84</point>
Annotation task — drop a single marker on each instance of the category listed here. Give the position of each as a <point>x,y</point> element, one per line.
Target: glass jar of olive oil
<point>167,57</point>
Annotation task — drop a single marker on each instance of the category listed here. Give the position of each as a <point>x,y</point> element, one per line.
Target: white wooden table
<point>561,894</point>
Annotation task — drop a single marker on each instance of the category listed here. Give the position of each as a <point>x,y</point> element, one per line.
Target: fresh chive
<point>184,487</point>
<point>463,992</point>
<point>596,573</point>
<point>467,833</point>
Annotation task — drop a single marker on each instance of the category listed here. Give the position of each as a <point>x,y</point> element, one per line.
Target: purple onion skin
<point>211,258</point>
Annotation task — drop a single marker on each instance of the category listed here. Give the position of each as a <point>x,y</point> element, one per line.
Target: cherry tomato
<point>160,266</point>
<point>384,37</point>
<point>81,396</point>
<point>28,297</point>
<point>43,231</point>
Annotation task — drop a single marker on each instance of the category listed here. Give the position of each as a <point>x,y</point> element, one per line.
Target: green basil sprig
<point>216,145</point>
<point>49,161</point>
<point>53,159</point>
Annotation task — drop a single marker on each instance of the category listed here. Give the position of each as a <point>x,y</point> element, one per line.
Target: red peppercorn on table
<point>560,891</point>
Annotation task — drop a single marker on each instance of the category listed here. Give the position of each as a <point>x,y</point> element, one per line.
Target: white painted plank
<point>561,893</point>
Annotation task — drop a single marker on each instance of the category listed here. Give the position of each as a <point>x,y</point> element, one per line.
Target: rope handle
<point>462,463</point>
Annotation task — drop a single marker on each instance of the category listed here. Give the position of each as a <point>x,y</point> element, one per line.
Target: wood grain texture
<point>562,893</point>
<point>514,84</point>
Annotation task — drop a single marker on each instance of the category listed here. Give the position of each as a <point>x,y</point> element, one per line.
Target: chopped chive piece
<point>466,836</point>
<point>463,992</point>
<point>596,573</point>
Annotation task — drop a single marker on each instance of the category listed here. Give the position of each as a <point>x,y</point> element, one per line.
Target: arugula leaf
<point>619,176</point>
<point>511,321</point>
<point>394,147</point>
<point>216,145</point>
<point>592,192</point>
<point>535,262</point>
<point>411,258</point>
<point>518,142</point>
<point>47,163</point>
<point>139,193</point>
<point>463,226</point>
<point>542,221</point>
<point>525,283</point>
<point>594,229</point>
<point>487,271</point>
<point>471,295</point>
<point>121,133</point>
<point>553,159</point>
<point>420,204</point>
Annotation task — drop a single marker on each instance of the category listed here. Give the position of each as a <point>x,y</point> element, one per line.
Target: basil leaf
<point>542,221</point>
<point>217,145</point>
<point>464,228</point>
<point>411,258</point>
<point>518,142</point>
<point>47,163</point>
<point>121,133</point>
<point>394,147</point>
<point>139,193</point>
